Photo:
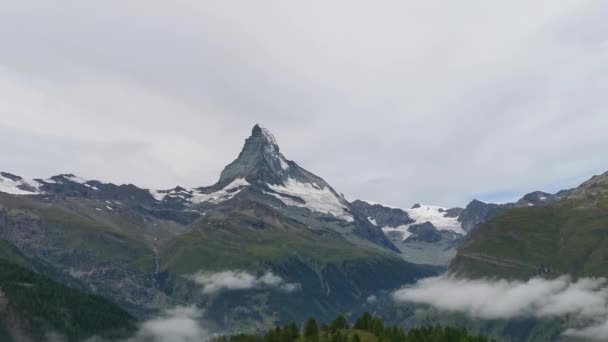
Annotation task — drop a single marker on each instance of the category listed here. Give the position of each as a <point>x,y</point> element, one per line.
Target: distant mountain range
<point>285,229</point>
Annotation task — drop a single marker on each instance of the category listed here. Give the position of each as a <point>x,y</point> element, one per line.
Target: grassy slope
<point>250,239</point>
<point>38,305</point>
<point>335,275</point>
<point>569,237</point>
<point>72,228</point>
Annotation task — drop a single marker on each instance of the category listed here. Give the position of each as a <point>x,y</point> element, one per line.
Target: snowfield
<point>435,215</point>
<point>195,196</point>
<point>10,186</point>
<point>318,199</point>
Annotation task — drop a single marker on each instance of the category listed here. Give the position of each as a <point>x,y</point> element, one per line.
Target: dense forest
<point>32,305</point>
<point>365,329</point>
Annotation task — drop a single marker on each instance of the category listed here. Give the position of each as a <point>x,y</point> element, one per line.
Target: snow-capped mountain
<point>423,233</point>
<point>397,221</point>
<point>16,185</point>
<point>142,247</point>
<point>260,174</point>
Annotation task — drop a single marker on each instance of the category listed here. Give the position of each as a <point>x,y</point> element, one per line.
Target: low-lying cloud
<point>181,324</point>
<point>234,280</point>
<point>585,300</point>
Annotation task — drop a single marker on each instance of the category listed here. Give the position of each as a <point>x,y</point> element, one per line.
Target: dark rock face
<point>381,215</point>
<point>259,161</point>
<point>478,212</point>
<point>66,186</point>
<point>10,176</point>
<point>454,212</point>
<point>424,232</point>
<point>597,186</point>
<point>539,198</point>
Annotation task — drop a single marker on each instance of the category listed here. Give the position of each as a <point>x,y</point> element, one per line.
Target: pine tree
<point>290,332</point>
<point>339,323</point>
<point>311,330</point>
<point>364,322</point>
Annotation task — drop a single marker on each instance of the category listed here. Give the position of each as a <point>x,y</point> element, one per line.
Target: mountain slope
<point>477,212</point>
<point>144,248</point>
<point>32,305</point>
<point>263,175</point>
<point>424,234</point>
<point>569,236</point>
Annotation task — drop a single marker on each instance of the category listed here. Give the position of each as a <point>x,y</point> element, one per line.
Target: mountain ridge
<point>142,248</point>
<point>565,235</point>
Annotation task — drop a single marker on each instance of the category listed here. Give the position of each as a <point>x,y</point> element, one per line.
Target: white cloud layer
<point>584,301</point>
<point>234,280</point>
<point>181,324</point>
<point>504,97</point>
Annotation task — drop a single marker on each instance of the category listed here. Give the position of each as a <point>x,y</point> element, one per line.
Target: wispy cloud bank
<point>586,299</point>
<point>234,280</point>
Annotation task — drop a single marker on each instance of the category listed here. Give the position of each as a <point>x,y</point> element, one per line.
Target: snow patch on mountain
<point>272,148</point>
<point>74,179</point>
<point>268,135</point>
<point>197,196</point>
<point>159,195</point>
<point>228,192</point>
<point>18,186</point>
<point>404,230</point>
<point>315,198</point>
<point>437,216</point>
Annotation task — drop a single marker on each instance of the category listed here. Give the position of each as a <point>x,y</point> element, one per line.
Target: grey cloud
<point>234,280</point>
<point>428,102</point>
<point>584,301</point>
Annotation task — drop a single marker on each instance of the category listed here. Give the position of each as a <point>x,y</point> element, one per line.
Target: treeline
<point>365,329</point>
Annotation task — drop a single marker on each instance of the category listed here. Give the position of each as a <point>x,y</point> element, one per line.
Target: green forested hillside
<point>32,306</point>
<point>365,329</point>
<point>567,237</point>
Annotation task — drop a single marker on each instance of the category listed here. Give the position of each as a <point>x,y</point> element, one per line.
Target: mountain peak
<point>262,132</point>
<point>260,159</point>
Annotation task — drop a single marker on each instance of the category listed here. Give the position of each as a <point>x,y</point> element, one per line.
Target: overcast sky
<point>399,102</point>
